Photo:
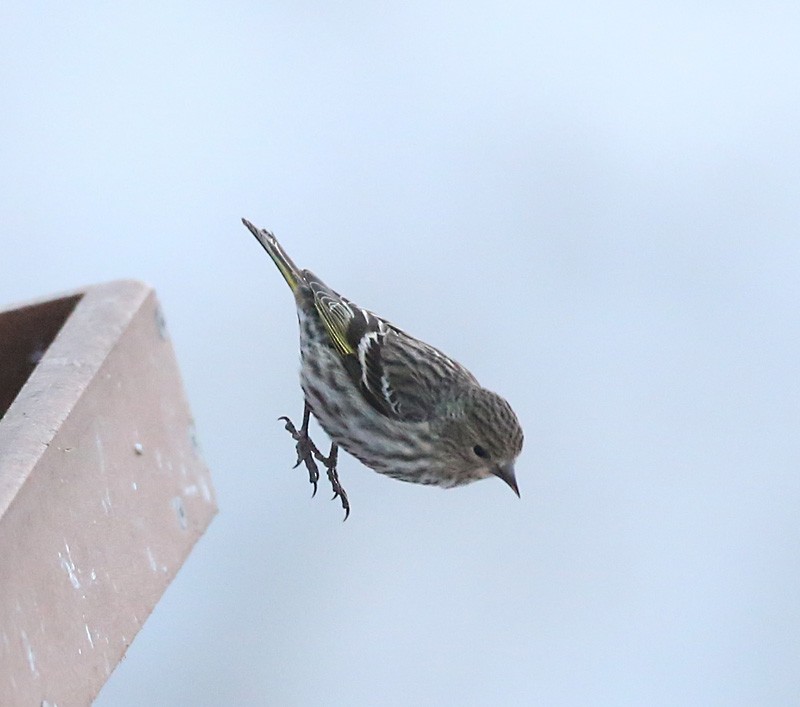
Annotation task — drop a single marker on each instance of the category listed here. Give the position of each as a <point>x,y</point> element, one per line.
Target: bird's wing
<point>414,376</point>
<point>400,376</point>
<point>336,313</point>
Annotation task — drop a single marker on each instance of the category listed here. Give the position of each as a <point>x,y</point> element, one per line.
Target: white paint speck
<point>89,635</point>
<point>105,501</point>
<point>29,653</point>
<point>190,490</point>
<point>135,486</point>
<point>138,448</point>
<point>69,567</point>
<point>159,460</point>
<point>101,457</point>
<point>205,491</point>
<point>151,559</point>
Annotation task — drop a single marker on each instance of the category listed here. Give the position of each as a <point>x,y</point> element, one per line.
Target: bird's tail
<point>291,273</point>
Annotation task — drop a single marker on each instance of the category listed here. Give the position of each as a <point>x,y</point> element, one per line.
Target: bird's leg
<point>307,452</point>
<point>306,449</point>
<point>333,476</point>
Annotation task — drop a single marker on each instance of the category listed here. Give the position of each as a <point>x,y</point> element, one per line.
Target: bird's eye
<point>480,452</point>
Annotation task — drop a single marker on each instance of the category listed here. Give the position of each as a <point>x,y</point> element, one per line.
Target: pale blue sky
<point>595,206</point>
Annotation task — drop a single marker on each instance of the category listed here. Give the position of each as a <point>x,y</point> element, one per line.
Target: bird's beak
<point>506,473</point>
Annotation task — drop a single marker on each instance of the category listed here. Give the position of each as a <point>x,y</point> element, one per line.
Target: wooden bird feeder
<point>102,490</point>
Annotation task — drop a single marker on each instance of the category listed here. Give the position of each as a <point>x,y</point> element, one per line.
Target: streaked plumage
<point>397,404</point>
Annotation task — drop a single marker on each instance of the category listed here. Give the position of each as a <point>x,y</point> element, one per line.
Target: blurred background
<point>594,206</point>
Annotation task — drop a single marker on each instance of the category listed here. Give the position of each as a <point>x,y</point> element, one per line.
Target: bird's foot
<point>333,476</point>
<point>306,450</point>
<point>308,454</point>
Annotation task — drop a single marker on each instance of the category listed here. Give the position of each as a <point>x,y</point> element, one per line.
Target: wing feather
<point>400,376</point>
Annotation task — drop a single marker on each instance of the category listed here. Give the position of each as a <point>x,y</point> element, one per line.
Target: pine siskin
<point>398,405</point>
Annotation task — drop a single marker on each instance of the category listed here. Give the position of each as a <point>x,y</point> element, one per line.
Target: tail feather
<point>291,273</point>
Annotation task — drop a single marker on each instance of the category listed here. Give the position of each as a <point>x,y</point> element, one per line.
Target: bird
<point>397,404</point>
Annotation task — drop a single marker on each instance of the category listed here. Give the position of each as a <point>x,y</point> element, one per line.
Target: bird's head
<point>483,435</point>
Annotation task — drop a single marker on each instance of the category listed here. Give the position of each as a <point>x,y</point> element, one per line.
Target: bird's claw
<point>307,453</point>
<point>333,477</point>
